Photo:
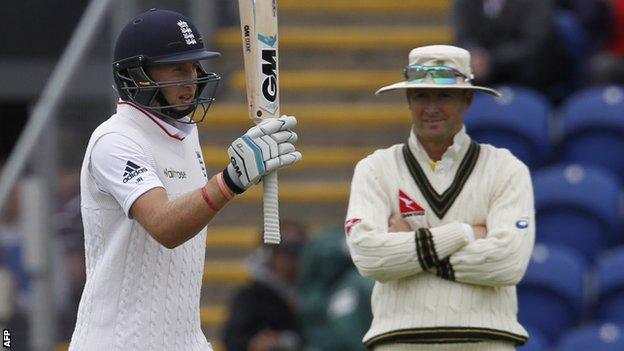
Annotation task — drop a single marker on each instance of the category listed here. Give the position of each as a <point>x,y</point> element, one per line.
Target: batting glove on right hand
<point>264,148</point>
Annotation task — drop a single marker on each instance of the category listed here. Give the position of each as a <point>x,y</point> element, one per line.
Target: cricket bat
<point>258,19</point>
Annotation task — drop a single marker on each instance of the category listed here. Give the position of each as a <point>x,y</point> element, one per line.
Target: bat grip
<point>271,209</point>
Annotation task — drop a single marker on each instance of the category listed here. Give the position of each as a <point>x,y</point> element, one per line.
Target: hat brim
<point>185,56</point>
<point>412,85</point>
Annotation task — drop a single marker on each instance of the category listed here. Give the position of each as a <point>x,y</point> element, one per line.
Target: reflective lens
<point>438,74</point>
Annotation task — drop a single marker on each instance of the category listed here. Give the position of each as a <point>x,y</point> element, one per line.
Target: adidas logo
<point>132,170</point>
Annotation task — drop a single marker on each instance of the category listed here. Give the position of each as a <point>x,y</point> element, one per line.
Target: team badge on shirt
<point>350,223</point>
<point>409,207</point>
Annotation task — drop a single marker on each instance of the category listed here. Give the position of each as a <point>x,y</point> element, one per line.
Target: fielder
<point>444,225</point>
<point>146,196</point>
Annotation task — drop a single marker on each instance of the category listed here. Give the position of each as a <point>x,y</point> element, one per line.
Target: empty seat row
<point>588,128</point>
<point>578,207</point>
<point>559,290</point>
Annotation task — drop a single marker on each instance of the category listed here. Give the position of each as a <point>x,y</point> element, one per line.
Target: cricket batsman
<point>147,196</point>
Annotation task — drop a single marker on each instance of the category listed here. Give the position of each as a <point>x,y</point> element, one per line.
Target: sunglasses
<point>439,74</point>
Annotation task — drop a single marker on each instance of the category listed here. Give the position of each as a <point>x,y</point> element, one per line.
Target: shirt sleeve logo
<point>132,170</point>
<point>350,223</point>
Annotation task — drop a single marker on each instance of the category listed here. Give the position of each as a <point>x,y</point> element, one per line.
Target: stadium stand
<point>577,206</point>
<point>593,128</point>
<point>324,261</point>
<point>610,286</point>
<point>357,46</point>
<point>551,297</point>
<point>518,121</point>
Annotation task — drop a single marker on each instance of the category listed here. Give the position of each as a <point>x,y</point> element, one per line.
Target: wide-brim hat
<point>440,55</point>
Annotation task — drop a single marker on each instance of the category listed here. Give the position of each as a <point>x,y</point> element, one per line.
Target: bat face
<point>259,30</point>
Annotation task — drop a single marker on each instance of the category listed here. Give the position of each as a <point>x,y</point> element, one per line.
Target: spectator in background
<point>335,300</point>
<point>512,41</point>
<point>263,315</point>
<point>68,222</point>
<point>12,248</point>
<point>607,66</point>
<point>13,276</point>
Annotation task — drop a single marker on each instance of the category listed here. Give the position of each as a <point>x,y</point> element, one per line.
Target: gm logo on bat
<point>269,70</point>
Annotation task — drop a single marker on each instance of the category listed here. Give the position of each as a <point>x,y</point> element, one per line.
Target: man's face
<point>179,94</point>
<point>438,114</point>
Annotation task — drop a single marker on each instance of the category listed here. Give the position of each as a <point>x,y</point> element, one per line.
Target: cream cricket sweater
<point>432,286</point>
<point>140,295</point>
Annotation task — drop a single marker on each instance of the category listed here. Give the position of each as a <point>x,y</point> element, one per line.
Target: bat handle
<point>271,209</point>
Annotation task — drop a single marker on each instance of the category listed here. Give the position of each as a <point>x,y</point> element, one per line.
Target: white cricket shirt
<point>138,295</point>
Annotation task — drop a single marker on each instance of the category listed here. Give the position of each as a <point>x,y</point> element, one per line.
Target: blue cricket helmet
<point>161,37</point>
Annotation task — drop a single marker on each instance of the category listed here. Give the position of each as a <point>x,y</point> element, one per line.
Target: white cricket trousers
<point>478,346</point>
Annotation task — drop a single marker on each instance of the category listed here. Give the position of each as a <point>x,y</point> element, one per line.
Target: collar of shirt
<point>452,156</point>
<point>171,127</point>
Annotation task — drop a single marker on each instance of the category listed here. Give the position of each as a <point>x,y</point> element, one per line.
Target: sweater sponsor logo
<point>174,174</point>
<point>132,170</point>
<point>409,207</point>
<point>350,223</point>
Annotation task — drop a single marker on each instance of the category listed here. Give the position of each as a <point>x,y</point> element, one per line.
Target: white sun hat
<point>445,57</point>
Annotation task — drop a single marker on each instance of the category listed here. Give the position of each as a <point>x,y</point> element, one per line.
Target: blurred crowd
<point>313,298</point>
<point>556,47</point>
<point>68,268</point>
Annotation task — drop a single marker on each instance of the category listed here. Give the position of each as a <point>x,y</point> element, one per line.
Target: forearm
<point>502,257</point>
<point>174,221</point>
<point>389,256</point>
<point>499,260</point>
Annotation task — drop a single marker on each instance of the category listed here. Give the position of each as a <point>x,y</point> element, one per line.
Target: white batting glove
<point>264,148</point>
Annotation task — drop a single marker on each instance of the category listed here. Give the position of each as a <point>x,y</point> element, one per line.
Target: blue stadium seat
<point>605,337</point>
<point>517,121</point>
<point>610,286</point>
<point>593,128</point>
<point>578,206</point>
<point>551,297</point>
<point>537,340</point>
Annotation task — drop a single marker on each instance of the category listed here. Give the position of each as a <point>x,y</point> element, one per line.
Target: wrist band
<point>225,191</point>
<point>230,183</point>
<point>211,204</point>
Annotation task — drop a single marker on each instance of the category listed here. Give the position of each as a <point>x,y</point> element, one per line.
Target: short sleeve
<point>122,169</point>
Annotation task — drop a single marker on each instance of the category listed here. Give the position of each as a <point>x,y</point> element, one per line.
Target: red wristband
<point>211,204</point>
<point>225,191</point>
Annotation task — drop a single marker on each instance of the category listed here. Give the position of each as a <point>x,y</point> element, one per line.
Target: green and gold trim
<point>445,335</point>
<point>445,270</point>
<point>441,203</point>
<point>425,247</point>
